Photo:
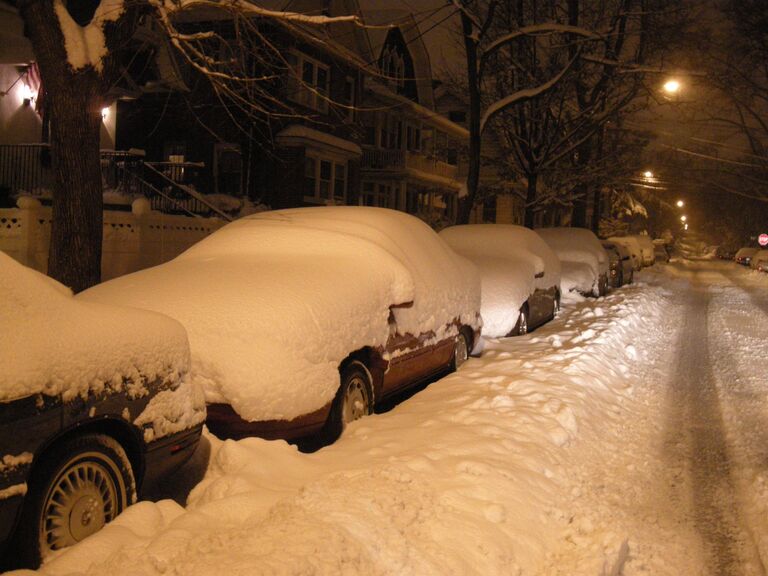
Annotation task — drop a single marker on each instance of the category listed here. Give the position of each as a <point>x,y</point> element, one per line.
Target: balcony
<point>406,161</point>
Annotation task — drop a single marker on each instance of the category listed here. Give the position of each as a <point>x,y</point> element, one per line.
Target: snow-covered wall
<point>131,241</point>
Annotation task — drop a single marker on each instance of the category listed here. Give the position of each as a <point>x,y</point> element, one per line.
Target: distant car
<point>661,252</point>
<point>95,406</point>
<point>301,320</point>
<point>646,249</point>
<point>519,272</point>
<point>744,255</point>
<point>582,257</point>
<point>620,264</point>
<point>633,246</point>
<point>725,253</point>
<point>759,261</point>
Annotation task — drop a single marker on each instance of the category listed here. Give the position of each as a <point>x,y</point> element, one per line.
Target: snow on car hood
<point>54,344</point>
<point>577,245</point>
<point>274,302</point>
<point>509,257</point>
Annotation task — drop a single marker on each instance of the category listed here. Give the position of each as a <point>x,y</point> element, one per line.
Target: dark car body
<point>37,424</point>
<point>621,268</point>
<point>744,255</point>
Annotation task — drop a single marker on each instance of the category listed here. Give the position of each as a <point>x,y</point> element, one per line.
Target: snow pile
<point>509,258</point>
<point>274,302</point>
<point>646,248</point>
<point>53,344</point>
<point>583,257</point>
<point>481,473</point>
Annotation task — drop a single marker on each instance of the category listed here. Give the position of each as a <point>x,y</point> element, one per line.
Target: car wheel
<point>460,351</point>
<point>522,322</point>
<point>353,400</point>
<point>81,486</point>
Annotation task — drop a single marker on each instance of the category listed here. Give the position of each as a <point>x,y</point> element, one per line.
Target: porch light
<point>27,94</point>
<point>105,113</point>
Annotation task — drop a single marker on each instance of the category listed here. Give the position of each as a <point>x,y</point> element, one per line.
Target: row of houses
<point>370,124</point>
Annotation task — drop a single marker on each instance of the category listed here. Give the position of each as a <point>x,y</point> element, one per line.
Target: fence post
<point>30,230</point>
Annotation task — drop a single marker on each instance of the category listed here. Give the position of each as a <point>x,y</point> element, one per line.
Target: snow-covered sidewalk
<point>488,471</point>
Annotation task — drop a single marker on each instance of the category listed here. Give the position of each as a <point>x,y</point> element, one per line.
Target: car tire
<point>521,328</point>
<point>353,400</point>
<point>87,481</point>
<point>460,351</point>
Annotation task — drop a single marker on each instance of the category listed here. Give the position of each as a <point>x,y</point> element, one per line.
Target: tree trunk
<point>579,214</point>
<point>530,199</point>
<point>597,207</point>
<point>74,102</point>
<point>473,176</point>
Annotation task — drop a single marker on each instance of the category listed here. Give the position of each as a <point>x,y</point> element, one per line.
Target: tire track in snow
<point>695,440</point>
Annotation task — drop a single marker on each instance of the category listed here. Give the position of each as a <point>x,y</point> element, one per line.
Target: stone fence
<point>132,240</point>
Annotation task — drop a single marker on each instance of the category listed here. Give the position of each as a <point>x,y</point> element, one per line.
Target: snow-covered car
<point>646,249</point>
<point>744,255</point>
<point>619,263</point>
<point>583,259</point>
<point>519,275</point>
<point>635,252</point>
<point>95,406</point>
<point>759,261</point>
<point>300,320</point>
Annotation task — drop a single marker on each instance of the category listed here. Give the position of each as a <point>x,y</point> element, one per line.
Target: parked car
<point>582,257</point>
<point>633,246</point>
<point>519,274</point>
<point>725,252</point>
<point>95,406</point>
<point>301,320</point>
<point>620,264</point>
<point>744,255</point>
<point>759,261</point>
<point>661,252</point>
<point>646,249</point>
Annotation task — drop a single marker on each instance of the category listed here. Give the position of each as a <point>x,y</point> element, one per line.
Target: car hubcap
<point>81,500</point>
<point>355,400</point>
<point>460,352</point>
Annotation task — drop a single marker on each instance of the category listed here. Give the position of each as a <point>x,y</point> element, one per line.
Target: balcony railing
<point>171,187</point>
<point>396,160</point>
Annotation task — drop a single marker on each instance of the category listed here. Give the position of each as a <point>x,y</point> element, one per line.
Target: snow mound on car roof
<point>53,344</point>
<point>274,302</point>
<point>508,257</point>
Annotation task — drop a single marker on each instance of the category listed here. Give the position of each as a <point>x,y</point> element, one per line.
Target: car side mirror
<point>539,275</point>
<point>402,305</point>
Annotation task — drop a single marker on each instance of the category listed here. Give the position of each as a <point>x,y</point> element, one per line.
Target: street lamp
<point>683,218</point>
<point>680,203</point>
<point>672,86</point>
<point>686,227</point>
<point>648,174</point>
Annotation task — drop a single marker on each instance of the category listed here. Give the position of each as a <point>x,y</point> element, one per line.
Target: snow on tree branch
<point>86,45</point>
<point>523,95</point>
<point>247,8</point>
<point>538,30</point>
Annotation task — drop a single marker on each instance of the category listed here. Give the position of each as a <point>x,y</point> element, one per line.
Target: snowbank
<point>274,302</point>
<point>53,344</point>
<point>580,248</point>
<point>509,258</point>
<point>474,475</point>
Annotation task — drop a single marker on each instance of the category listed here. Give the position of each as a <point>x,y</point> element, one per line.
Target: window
<point>325,180</point>
<point>393,66</point>
<point>312,89</point>
<point>378,194</point>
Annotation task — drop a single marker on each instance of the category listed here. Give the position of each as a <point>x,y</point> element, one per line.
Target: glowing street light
<point>672,86</point>
<point>680,203</point>
<point>683,218</point>
<point>648,174</point>
<point>686,227</point>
